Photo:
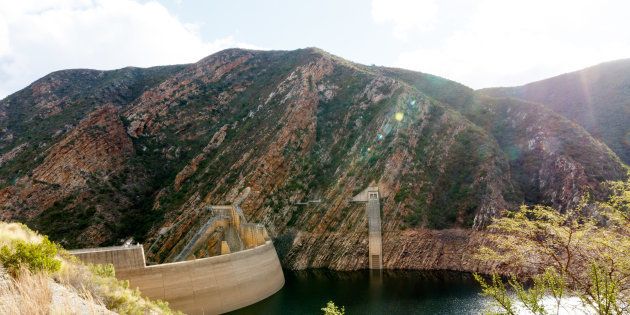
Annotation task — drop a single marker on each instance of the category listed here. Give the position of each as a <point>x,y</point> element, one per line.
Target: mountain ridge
<point>597,98</point>
<point>272,128</point>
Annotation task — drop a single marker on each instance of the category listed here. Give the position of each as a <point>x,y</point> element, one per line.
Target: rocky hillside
<point>64,154</point>
<point>597,98</point>
<point>145,155</point>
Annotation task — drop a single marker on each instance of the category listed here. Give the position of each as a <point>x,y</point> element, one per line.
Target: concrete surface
<point>212,285</point>
<point>225,221</point>
<point>122,257</point>
<point>371,196</point>
<point>373,209</point>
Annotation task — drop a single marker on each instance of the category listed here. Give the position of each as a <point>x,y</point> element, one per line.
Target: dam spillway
<point>210,285</point>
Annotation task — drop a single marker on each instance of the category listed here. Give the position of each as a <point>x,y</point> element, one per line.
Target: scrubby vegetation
<point>89,89</point>
<point>36,265</point>
<point>583,253</point>
<point>332,309</point>
<point>595,98</point>
<point>35,257</point>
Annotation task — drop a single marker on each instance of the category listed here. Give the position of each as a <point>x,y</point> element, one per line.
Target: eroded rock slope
<point>271,130</point>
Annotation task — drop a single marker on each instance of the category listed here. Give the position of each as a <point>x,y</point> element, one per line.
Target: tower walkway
<point>373,212</point>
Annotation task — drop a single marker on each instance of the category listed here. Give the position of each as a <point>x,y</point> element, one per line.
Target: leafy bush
<point>581,253</point>
<point>35,257</point>
<point>332,309</point>
<point>103,270</point>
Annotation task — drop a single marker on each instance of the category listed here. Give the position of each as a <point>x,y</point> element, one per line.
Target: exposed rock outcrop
<point>284,128</point>
<point>87,157</point>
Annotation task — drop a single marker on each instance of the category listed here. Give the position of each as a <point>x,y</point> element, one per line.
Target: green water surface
<point>366,292</point>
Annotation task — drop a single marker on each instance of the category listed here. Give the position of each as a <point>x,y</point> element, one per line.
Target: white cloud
<point>38,37</point>
<point>406,16</point>
<point>515,42</point>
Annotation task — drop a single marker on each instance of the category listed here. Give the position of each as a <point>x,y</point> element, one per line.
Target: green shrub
<point>103,270</point>
<point>332,309</point>
<point>35,257</point>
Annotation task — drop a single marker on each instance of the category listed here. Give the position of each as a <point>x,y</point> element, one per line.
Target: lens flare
<point>399,116</point>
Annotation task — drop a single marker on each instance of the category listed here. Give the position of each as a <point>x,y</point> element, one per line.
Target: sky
<point>479,43</point>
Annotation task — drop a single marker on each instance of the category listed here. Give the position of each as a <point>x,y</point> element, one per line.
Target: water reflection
<point>376,284</point>
<point>374,292</point>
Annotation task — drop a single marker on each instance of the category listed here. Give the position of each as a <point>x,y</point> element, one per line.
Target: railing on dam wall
<point>211,285</point>
<point>218,230</point>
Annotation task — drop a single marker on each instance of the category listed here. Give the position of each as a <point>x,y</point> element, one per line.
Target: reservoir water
<point>366,292</point>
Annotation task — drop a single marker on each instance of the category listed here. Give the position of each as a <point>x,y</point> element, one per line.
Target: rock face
<point>98,144</point>
<point>68,165</point>
<point>273,130</point>
<point>95,150</point>
<point>33,119</point>
<point>597,98</point>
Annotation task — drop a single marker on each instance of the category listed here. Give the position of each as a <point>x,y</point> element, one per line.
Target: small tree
<point>584,252</point>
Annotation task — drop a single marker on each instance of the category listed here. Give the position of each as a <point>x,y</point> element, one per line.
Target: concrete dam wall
<point>122,257</point>
<point>210,285</point>
<point>241,265</point>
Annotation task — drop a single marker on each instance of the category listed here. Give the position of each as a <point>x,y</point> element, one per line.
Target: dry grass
<point>75,288</point>
<point>29,294</point>
<point>106,290</point>
<point>70,301</point>
<point>36,293</point>
<point>17,232</point>
<point>78,277</point>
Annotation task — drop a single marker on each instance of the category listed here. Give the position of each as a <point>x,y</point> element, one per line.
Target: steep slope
<point>36,117</point>
<point>65,158</point>
<point>597,98</point>
<point>271,129</point>
<point>552,160</point>
<point>69,193</point>
<point>323,128</point>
